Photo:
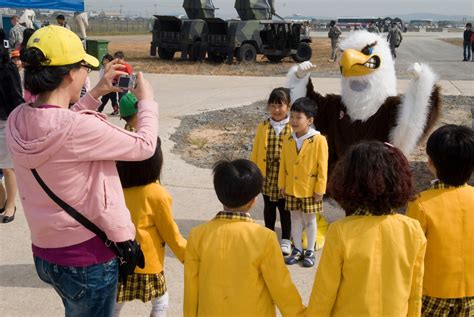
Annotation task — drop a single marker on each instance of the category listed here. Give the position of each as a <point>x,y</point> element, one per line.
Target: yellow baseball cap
<point>60,46</point>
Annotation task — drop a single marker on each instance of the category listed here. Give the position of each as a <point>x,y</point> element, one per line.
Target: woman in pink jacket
<point>74,151</point>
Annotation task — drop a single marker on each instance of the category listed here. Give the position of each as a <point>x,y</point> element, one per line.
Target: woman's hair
<point>39,77</point>
<point>280,95</point>
<point>142,172</point>
<point>374,176</point>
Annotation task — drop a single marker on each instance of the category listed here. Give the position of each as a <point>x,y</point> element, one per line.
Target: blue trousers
<point>85,291</point>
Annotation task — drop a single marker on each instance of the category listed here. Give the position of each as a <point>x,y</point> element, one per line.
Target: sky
<point>316,8</point>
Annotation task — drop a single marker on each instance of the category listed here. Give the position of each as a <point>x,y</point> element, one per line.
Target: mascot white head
<point>368,74</point>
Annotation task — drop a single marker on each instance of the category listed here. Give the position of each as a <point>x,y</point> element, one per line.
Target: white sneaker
<point>285,246</point>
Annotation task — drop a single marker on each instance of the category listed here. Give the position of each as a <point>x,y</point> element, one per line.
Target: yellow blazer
<point>447,218</point>
<point>150,208</point>
<point>235,268</point>
<point>259,149</point>
<point>370,266</point>
<point>305,173</point>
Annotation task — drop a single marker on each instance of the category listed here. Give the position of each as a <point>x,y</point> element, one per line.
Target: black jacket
<point>10,89</point>
<point>467,36</point>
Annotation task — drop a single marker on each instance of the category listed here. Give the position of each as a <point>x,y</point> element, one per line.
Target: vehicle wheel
<point>247,54</point>
<point>274,58</point>
<point>165,53</point>
<point>215,58</point>
<point>303,54</point>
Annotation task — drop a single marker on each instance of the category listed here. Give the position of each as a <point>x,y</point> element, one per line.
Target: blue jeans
<point>467,50</point>
<point>85,291</point>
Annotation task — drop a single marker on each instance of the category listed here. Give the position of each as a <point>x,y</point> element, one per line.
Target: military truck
<point>171,34</point>
<point>256,33</point>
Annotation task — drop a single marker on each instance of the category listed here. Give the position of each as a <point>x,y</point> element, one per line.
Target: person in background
<point>266,154</point>
<point>394,38</point>
<point>16,33</point>
<point>128,111</point>
<point>112,96</point>
<point>446,214</point>
<point>334,34</point>
<point>372,262</point>
<point>61,20</point>
<point>467,42</point>
<point>10,98</point>
<point>372,28</point>
<point>120,57</point>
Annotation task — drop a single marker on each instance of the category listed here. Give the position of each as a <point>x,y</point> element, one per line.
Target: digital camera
<point>127,82</point>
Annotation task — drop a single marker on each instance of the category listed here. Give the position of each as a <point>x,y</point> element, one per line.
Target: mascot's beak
<point>356,63</point>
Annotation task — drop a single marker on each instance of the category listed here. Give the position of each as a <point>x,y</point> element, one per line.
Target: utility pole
<point>155,5</point>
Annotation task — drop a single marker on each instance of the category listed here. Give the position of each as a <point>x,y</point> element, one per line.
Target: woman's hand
<point>318,197</point>
<point>282,193</point>
<point>143,91</point>
<point>105,84</point>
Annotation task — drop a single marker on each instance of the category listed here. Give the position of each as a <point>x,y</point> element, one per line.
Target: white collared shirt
<point>278,126</point>
<point>299,141</point>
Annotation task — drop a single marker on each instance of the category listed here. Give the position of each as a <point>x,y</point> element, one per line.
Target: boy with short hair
<point>302,178</point>
<point>120,56</point>
<point>128,111</point>
<point>446,215</point>
<point>233,266</point>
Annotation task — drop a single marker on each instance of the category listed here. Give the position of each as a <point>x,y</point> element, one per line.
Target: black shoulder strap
<point>73,212</point>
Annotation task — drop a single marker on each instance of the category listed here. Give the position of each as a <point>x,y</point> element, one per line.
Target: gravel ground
<point>208,137</point>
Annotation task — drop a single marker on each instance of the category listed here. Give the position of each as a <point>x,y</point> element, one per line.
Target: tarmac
<point>194,201</point>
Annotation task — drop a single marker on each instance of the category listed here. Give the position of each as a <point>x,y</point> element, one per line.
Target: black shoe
<point>6,219</point>
<point>295,257</point>
<point>308,260</point>
<point>2,210</point>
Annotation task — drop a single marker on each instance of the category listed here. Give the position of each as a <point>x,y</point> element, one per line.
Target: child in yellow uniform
<point>266,154</point>
<point>372,262</point>
<point>233,266</point>
<point>150,207</point>
<point>302,178</point>
<point>446,215</point>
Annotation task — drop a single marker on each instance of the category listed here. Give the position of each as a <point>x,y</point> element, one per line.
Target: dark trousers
<point>110,96</point>
<point>269,214</point>
<point>467,51</point>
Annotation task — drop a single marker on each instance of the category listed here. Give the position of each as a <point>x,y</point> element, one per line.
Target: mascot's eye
<point>367,50</point>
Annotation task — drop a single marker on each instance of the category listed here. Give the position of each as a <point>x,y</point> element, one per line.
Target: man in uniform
<point>334,34</point>
<point>394,38</point>
<point>16,33</point>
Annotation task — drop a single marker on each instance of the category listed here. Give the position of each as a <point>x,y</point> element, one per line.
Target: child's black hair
<point>237,182</point>
<point>119,55</point>
<point>280,95</point>
<point>142,172</point>
<point>107,57</point>
<point>451,149</point>
<point>306,106</point>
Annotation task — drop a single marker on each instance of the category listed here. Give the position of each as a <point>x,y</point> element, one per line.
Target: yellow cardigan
<point>447,218</point>
<point>235,268</point>
<point>370,266</point>
<point>150,208</point>
<point>259,149</point>
<point>305,173</point>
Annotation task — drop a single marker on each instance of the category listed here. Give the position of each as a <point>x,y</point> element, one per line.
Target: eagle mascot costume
<point>369,107</point>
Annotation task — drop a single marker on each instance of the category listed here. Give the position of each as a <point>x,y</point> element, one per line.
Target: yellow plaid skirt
<point>144,287</point>
<point>459,307</point>
<point>307,205</point>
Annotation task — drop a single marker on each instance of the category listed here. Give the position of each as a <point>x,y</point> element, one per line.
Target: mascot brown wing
<point>342,132</point>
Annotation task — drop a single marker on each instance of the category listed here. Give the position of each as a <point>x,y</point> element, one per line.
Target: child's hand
<point>282,193</point>
<point>105,86</point>
<point>144,91</point>
<point>318,197</point>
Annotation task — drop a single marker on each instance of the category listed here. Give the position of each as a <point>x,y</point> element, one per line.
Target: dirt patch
<point>454,41</point>
<point>208,137</point>
<point>137,52</point>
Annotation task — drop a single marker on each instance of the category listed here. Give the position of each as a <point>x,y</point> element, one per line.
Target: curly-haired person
<point>372,262</point>
<point>446,214</point>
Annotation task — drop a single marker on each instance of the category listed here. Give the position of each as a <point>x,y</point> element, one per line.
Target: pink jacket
<point>74,152</point>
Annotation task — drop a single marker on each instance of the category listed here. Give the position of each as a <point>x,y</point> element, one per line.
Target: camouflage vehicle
<point>256,33</point>
<point>171,34</point>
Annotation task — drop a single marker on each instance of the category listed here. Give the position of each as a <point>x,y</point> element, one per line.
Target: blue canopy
<point>68,5</point>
